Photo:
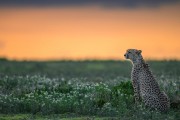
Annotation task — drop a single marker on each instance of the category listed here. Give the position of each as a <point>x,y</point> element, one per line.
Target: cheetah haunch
<point>144,83</point>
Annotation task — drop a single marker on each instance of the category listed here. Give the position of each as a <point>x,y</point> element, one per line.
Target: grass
<point>80,90</point>
<point>49,117</point>
<point>14,116</point>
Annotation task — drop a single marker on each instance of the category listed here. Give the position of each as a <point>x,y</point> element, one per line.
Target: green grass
<point>49,117</point>
<point>14,116</point>
<point>80,90</point>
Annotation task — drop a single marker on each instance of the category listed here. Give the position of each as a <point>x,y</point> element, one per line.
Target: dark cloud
<point>103,3</point>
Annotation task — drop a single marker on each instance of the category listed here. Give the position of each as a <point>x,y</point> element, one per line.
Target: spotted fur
<point>145,86</point>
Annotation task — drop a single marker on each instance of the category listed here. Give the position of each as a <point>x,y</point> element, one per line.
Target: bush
<point>122,94</point>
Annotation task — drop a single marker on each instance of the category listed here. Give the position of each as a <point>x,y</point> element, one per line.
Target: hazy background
<point>89,29</point>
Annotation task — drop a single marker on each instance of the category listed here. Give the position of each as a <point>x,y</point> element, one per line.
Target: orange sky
<point>89,32</point>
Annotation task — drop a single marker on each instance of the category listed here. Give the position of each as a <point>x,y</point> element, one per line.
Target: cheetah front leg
<point>136,90</point>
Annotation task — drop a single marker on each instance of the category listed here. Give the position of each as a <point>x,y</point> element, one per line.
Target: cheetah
<point>145,86</point>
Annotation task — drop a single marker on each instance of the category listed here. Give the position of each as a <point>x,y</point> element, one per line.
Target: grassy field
<point>81,90</point>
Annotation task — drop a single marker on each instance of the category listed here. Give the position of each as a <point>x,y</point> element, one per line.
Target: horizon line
<point>84,59</point>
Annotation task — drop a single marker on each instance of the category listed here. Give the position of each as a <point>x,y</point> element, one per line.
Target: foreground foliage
<point>42,95</point>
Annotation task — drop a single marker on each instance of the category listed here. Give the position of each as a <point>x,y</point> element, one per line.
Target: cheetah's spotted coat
<point>144,83</point>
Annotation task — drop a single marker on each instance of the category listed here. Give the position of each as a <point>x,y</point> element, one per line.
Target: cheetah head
<point>133,54</point>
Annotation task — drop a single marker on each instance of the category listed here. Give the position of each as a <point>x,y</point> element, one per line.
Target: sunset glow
<point>91,32</point>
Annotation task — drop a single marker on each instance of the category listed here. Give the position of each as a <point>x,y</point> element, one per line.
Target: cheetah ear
<point>139,51</point>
